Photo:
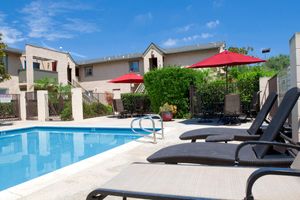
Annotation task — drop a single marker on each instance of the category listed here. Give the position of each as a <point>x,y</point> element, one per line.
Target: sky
<point>97,28</point>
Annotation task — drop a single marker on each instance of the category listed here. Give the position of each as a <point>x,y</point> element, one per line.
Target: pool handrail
<point>154,132</point>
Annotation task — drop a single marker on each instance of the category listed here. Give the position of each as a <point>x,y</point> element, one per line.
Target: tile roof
<point>165,51</point>
<point>13,50</point>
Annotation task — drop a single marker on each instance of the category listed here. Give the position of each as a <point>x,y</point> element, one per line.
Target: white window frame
<point>134,61</point>
<point>88,71</point>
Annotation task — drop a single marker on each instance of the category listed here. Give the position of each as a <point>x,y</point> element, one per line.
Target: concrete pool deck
<point>77,180</point>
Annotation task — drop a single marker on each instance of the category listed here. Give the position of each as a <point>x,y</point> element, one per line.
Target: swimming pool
<point>31,152</point>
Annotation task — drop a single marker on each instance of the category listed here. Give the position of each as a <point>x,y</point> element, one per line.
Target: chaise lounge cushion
<point>216,154</point>
<point>199,134</point>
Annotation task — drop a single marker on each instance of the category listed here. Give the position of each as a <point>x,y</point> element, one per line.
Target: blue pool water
<point>31,152</point>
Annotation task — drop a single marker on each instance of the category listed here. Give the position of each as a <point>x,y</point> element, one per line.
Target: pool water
<point>31,152</point>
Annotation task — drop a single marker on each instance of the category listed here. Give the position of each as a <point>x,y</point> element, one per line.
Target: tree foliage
<point>241,50</point>
<point>3,73</point>
<point>278,62</point>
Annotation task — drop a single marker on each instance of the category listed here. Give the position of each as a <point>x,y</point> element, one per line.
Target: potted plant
<point>167,111</point>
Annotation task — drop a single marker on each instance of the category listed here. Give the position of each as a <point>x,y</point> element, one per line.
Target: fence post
<point>77,108</point>
<point>295,81</point>
<point>43,108</point>
<point>23,106</point>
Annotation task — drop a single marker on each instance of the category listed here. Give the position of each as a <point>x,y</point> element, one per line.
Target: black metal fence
<point>57,102</point>
<point>208,100</point>
<point>31,105</point>
<point>9,107</point>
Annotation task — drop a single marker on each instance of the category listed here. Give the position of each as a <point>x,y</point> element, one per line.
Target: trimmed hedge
<point>136,103</point>
<point>170,85</point>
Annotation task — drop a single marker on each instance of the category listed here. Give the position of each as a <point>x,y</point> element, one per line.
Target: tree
<point>3,73</point>
<point>241,50</point>
<point>278,62</point>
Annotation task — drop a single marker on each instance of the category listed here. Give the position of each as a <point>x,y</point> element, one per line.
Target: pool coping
<point>36,184</point>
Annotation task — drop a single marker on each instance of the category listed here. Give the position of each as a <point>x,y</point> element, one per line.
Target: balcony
<point>37,74</point>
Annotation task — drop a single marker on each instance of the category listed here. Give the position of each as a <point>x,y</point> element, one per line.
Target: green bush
<point>95,110</point>
<point>6,109</point>
<point>248,82</point>
<point>170,85</point>
<point>136,103</point>
<point>66,113</point>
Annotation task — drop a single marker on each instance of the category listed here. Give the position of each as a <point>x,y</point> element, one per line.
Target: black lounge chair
<point>119,108</point>
<point>160,181</point>
<point>252,133</point>
<point>249,153</point>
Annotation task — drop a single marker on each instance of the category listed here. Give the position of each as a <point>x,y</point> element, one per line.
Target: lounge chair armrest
<point>240,146</point>
<point>267,171</point>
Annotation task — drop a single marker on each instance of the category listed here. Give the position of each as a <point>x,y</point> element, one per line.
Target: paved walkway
<point>77,181</point>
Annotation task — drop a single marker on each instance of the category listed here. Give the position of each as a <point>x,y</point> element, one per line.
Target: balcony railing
<point>37,74</point>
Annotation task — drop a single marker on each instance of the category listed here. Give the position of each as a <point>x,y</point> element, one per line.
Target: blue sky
<point>96,28</point>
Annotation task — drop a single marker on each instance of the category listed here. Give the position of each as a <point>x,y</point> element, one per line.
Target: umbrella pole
<point>226,81</point>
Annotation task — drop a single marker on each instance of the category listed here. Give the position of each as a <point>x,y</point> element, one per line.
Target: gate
<point>31,105</point>
<point>9,107</point>
<point>57,102</point>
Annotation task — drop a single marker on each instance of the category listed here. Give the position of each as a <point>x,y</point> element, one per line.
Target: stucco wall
<point>188,58</point>
<point>102,73</point>
<point>156,54</point>
<point>14,64</point>
<point>63,60</point>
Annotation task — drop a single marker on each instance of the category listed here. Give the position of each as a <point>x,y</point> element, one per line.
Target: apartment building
<point>34,63</point>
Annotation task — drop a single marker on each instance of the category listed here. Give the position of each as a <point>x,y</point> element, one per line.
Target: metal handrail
<point>154,132</point>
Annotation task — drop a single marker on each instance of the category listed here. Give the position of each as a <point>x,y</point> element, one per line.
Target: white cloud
<point>143,18</point>
<point>170,42</point>
<point>212,24</point>
<point>195,37</point>
<point>174,41</point>
<point>185,28</point>
<point>47,20</point>
<point>79,25</point>
<point>11,35</point>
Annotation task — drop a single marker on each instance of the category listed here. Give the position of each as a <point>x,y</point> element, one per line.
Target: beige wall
<point>188,58</point>
<point>63,60</point>
<point>152,51</point>
<point>295,81</point>
<point>103,72</point>
<point>14,64</point>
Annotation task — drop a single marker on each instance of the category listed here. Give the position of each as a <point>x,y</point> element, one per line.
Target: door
<point>153,63</point>
<point>69,74</point>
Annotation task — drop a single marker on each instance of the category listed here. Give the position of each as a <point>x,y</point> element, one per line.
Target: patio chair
<point>161,181</point>
<point>252,133</point>
<point>254,105</point>
<point>119,108</point>
<point>248,153</point>
<point>232,109</point>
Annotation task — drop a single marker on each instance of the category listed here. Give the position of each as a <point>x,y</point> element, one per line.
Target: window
<point>134,66</point>
<point>3,91</point>
<point>88,71</point>
<point>36,65</point>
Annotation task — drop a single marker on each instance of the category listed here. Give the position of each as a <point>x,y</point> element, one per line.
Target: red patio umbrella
<point>128,78</point>
<point>226,58</point>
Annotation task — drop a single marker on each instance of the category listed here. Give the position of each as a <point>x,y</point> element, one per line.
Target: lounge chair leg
<point>124,198</point>
<point>193,140</point>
